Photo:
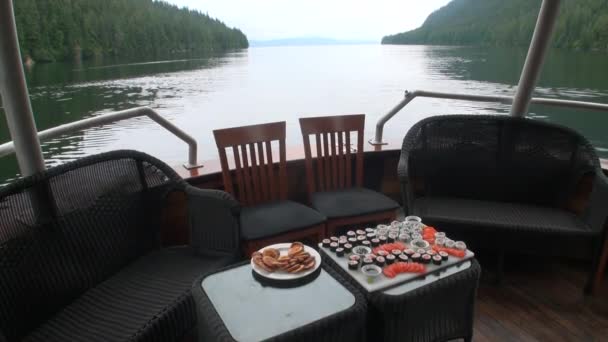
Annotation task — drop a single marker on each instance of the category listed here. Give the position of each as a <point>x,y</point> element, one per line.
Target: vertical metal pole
<point>15,97</point>
<point>536,56</point>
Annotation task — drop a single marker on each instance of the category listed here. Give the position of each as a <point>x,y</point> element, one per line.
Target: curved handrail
<point>9,148</point>
<point>409,96</point>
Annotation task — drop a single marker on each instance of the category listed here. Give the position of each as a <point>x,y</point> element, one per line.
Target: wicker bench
<point>80,253</point>
<point>515,184</point>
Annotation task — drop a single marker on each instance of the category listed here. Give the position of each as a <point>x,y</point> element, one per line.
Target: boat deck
<point>540,302</point>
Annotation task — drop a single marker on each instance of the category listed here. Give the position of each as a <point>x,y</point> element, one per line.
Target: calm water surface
<point>284,83</point>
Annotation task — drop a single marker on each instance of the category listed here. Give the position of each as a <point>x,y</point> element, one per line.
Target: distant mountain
<point>582,24</point>
<point>307,41</point>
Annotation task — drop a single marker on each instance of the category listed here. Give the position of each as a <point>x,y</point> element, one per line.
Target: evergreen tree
<point>582,24</point>
<point>51,30</point>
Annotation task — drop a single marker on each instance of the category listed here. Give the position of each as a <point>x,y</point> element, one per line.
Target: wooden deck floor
<point>544,302</point>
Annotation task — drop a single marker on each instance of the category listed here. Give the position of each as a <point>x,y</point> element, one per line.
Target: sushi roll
<point>348,248</point>
<point>375,242</point>
<point>340,251</point>
<point>416,257</point>
<point>371,256</point>
<point>404,237</point>
<point>380,261</point>
<point>383,239</point>
<point>426,259</point>
<point>326,243</point>
<point>437,259</point>
<point>341,243</point>
<point>353,264</point>
<point>351,233</point>
<point>396,252</point>
<point>391,238</point>
<point>409,252</point>
<point>450,243</point>
<point>343,237</point>
<point>444,255</point>
<point>333,246</point>
<point>431,252</point>
<point>460,245</point>
<point>403,258</point>
<point>370,230</point>
<point>370,236</point>
<point>354,257</point>
<point>366,243</point>
<point>390,259</point>
<point>361,250</point>
<point>421,251</point>
<point>368,261</point>
<point>361,238</point>
<point>353,241</point>
<point>360,232</point>
<point>334,239</point>
<point>382,253</point>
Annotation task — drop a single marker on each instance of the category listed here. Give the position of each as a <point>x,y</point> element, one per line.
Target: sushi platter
<point>392,255</point>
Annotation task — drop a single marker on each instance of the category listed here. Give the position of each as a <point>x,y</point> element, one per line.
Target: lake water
<point>284,83</point>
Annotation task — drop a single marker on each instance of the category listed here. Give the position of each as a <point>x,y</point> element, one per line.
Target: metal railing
<point>409,96</point>
<point>9,147</point>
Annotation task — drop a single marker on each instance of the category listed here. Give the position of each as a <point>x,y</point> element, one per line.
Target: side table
<point>233,306</point>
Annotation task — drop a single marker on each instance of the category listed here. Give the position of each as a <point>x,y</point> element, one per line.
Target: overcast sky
<point>338,19</point>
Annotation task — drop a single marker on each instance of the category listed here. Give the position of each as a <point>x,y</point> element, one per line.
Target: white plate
<point>282,275</point>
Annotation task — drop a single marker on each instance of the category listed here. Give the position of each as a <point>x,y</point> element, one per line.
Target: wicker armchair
<point>80,253</point>
<point>517,184</point>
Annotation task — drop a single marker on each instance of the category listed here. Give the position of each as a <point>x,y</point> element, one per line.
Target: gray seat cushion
<point>502,215</point>
<point>351,202</point>
<point>149,300</point>
<point>274,218</point>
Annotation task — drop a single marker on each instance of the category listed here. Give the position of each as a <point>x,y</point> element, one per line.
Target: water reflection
<point>284,83</point>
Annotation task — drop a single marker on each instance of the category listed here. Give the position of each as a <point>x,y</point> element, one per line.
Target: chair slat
<point>359,170</point>
<point>326,162</point>
<point>310,181</point>
<point>246,175</point>
<point>320,173</point>
<point>255,179</point>
<point>239,175</point>
<point>334,161</point>
<point>263,172</point>
<point>349,172</point>
<point>270,166</point>
<point>341,165</point>
<point>282,170</point>
<point>225,174</point>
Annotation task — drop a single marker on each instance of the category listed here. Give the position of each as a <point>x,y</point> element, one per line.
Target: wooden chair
<point>267,216</point>
<point>334,188</point>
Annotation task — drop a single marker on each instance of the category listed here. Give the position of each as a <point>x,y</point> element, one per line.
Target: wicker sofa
<point>81,256</point>
<point>507,183</point>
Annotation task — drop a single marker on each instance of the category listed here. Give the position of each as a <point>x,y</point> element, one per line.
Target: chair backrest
<point>69,228</point>
<point>251,146</point>
<point>334,153</point>
<point>496,157</point>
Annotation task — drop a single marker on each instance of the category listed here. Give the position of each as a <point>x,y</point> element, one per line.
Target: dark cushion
<point>150,300</point>
<point>501,215</point>
<point>351,202</point>
<point>269,219</point>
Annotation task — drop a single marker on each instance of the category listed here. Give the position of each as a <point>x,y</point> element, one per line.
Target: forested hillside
<point>51,30</point>
<point>582,24</point>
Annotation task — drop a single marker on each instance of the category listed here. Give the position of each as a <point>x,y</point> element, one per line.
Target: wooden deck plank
<point>544,302</point>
